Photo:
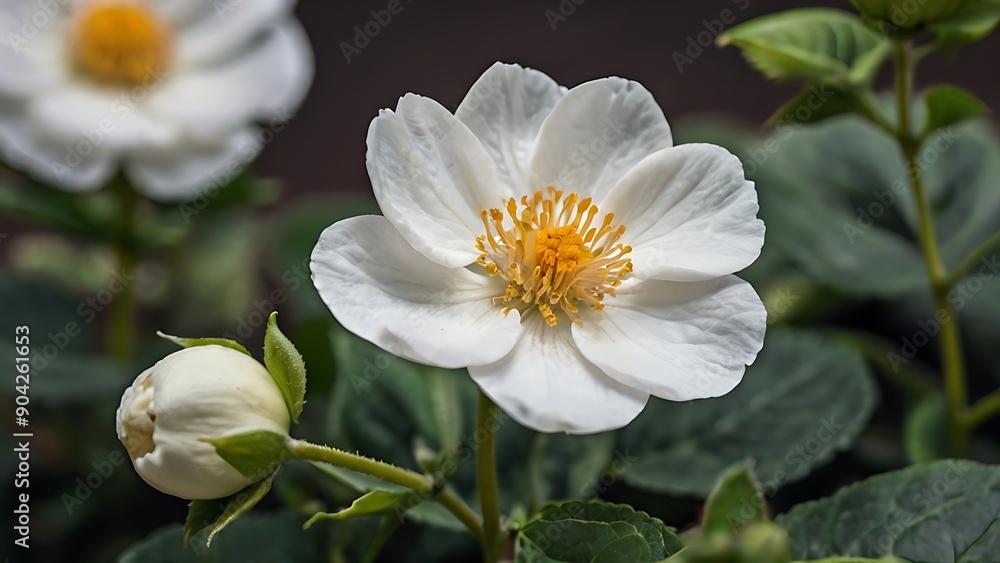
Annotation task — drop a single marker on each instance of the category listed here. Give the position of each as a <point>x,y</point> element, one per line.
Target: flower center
<point>140,422</point>
<point>553,255</point>
<point>119,42</point>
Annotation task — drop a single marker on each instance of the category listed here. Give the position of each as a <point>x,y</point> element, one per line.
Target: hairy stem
<point>486,474</point>
<point>387,472</point>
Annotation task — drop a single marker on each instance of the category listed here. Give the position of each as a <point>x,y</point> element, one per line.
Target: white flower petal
<point>597,133</point>
<point>192,168</point>
<point>25,144</point>
<point>432,179</point>
<point>689,213</point>
<point>547,385</point>
<point>381,289</point>
<point>183,12</point>
<point>80,113</point>
<point>266,82</point>
<point>227,28</point>
<point>505,109</point>
<point>678,341</point>
<point>31,58</point>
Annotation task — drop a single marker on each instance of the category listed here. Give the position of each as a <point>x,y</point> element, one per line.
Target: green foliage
<point>276,538</point>
<point>816,44</point>
<point>285,364</point>
<point>905,14</point>
<point>925,430</point>
<point>374,503</point>
<point>804,398</point>
<point>940,511</point>
<point>595,532</point>
<point>974,22</point>
<point>206,518</point>
<point>735,502</point>
<point>947,106</point>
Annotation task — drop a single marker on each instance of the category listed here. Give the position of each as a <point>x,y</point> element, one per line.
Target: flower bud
<point>199,393</point>
<point>909,13</point>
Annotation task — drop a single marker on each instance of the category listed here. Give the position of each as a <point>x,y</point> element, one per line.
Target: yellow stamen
<point>119,42</point>
<point>551,256</point>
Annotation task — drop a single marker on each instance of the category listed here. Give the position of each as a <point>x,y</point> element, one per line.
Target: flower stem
<point>486,473</point>
<point>951,345</point>
<point>121,327</point>
<point>422,484</point>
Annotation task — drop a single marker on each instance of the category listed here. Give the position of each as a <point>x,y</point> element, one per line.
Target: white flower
<point>556,244</point>
<point>166,90</point>
<point>205,392</point>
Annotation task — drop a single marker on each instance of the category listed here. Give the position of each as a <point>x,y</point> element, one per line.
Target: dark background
<point>439,48</point>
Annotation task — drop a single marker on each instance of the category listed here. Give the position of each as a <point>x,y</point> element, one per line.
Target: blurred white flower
<point>205,392</point>
<point>167,90</point>
<point>556,244</point>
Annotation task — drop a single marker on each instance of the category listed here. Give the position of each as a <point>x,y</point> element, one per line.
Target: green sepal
<point>286,366</point>
<point>254,454</point>
<point>947,106</point>
<point>374,503</point>
<point>193,342</point>
<point>735,503</point>
<point>206,518</point>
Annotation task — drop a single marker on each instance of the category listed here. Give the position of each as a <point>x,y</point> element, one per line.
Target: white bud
<point>204,392</point>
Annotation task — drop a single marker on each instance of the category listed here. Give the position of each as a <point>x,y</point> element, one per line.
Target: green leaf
<point>803,399</point>
<point>193,342</point>
<point>206,518</point>
<point>374,503</point>
<point>274,538</point>
<point>974,22</point>
<point>925,430</point>
<point>940,511</point>
<point>818,44</point>
<point>832,196</point>
<point>947,105</point>
<point>254,454</point>
<point>759,542</point>
<point>735,502</point>
<point>886,559</point>
<point>816,103</point>
<point>286,367</point>
<point>595,532</point>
